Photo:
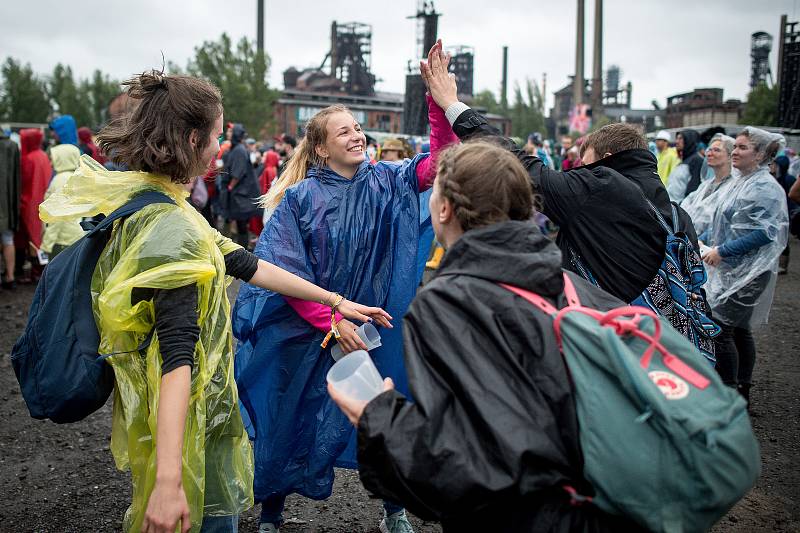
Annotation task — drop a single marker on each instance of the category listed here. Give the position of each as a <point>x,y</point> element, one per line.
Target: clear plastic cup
<point>356,376</point>
<point>366,333</point>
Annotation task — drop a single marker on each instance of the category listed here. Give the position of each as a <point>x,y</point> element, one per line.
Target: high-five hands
<point>440,83</point>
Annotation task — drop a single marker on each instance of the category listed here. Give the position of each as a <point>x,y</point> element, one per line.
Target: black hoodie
<point>691,158</point>
<point>492,434</point>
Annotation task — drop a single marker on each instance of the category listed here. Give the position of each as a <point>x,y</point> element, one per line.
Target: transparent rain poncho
<point>740,289</point>
<point>701,203</point>
<point>164,246</point>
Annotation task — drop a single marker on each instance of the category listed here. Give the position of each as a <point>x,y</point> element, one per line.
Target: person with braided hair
<point>490,442</point>
<point>339,221</point>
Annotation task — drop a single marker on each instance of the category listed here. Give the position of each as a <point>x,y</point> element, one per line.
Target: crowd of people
<point>209,426</point>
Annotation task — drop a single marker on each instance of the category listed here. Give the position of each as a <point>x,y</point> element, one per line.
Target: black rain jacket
<point>240,202</point>
<point>492,434</point>
<point>601,210</point>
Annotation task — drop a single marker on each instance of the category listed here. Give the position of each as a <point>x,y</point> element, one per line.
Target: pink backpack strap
<point>570,293</point>
<point>541,303</point>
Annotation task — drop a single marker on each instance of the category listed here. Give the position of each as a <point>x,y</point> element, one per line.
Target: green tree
<point>23,96</point>
<point>68,97</point>
<point>486,100</point>
<point>102,90</point>
<point>761,108</point>
<point>241,75</point>
<point>527,111</point>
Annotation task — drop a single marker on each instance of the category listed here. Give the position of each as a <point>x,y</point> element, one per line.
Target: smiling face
<point>344,144</point>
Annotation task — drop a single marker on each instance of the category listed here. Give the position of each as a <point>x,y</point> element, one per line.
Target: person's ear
<point>321,151</point>
<point>193,139</point>
<point>446,212</point>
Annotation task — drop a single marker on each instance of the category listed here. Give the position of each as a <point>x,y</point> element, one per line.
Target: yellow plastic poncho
<point>164,246</point>
<point>65,158</point>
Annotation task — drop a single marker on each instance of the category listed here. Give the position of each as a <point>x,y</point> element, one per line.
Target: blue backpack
<point>56,360</point>
<point>676,291</point>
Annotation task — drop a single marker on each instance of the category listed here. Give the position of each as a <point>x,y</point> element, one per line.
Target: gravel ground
<point>61,478</point>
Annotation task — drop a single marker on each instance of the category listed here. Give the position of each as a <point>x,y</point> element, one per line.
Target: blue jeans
<point>220,524</point>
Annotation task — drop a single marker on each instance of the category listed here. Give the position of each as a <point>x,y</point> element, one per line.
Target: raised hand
<point>440,83</point>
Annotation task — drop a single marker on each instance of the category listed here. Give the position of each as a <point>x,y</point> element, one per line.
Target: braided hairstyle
<point>485,184</point>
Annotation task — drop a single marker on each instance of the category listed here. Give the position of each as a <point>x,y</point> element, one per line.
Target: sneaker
<point>395,523</point>
<point>268,527</point>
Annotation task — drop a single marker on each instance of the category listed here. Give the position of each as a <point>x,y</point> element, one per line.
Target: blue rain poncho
<point>358,237</point>
<point>426,235</point>
<point>741,287</point>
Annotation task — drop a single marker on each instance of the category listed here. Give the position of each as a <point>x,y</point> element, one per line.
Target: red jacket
<point>36,174</point>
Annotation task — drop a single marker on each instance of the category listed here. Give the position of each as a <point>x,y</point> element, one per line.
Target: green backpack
<point>664,442</point>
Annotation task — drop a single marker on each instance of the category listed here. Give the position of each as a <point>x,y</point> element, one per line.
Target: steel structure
<point>462,64</point>
<point>760,47</point>
<point>350,57</point>
<point>789,75</point>
<point>415,112</point>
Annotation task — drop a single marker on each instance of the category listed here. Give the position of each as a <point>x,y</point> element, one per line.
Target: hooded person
<point>58,235</point>
<point>688,174</point>
<point>346,224</point>
<point>65,130</point>
<point>88,146</point>
<point>10,186</point>
<point>239,188</point>
<point>491,437</point>
<point>36,172</point>
<point>176,422</point>
<point>749,230</point>
<point>701,204</point>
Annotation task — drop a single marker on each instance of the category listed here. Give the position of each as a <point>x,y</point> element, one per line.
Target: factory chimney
<point>504,87</point>
<point>577,83</point>
<point>597,70</point>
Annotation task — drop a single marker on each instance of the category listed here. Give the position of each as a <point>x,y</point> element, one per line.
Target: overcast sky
<point>663,47</point>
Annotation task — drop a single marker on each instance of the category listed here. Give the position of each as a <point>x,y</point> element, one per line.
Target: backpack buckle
<point>575,498</point>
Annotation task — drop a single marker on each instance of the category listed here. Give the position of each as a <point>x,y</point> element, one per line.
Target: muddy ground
<point>61,478</point>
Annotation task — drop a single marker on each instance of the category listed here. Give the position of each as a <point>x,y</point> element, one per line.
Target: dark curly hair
<point>485,183</point>
<point>155,136</point>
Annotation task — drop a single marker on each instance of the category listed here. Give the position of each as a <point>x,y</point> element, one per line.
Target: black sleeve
<point>563,193</point>
<point>241,264</point>
<point>175,323</point>
<point>176,326</point>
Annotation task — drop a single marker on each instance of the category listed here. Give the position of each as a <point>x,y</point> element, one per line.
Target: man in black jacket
<point>602,209</point>
<point>686,178</point>
<point>239,189</point>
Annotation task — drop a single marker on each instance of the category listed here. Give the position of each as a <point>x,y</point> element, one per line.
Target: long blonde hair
<point>305,156</point>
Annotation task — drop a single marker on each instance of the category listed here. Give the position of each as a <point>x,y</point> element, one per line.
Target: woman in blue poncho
<point>354,228</point>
